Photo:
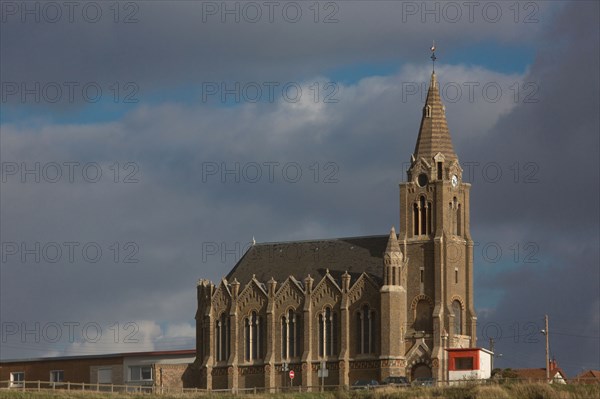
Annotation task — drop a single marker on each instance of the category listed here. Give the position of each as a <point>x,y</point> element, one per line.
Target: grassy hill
<point>508,391</point>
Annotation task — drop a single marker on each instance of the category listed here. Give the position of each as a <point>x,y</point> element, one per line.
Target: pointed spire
<point>434,135</point>
<point>392,244</point>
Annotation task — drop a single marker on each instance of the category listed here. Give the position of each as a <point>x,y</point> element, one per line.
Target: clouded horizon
<point>143,147</point>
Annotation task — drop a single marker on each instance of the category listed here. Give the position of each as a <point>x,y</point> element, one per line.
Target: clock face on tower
<point>454,181</point>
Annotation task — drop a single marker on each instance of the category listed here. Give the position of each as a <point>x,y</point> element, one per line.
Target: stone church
<point>364,307</point>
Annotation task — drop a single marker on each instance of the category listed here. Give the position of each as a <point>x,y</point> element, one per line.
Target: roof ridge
<point>321,239</point>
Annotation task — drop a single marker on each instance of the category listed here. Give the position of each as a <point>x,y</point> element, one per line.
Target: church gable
<point>364,289</point>
<point>326,292</point>
<point>455,168</point>
<point>420,166</point>
<point>221,298</point>
<point>253,297</point>
<point>289,294</point>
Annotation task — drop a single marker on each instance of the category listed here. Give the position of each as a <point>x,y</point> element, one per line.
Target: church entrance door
<point>420,371</point>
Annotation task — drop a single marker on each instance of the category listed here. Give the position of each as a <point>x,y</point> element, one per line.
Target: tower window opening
<point>439,171</point>
<point>423,219</point>
<point>416,219</point>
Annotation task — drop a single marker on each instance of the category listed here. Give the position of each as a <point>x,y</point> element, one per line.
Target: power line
<point>575,335</point>
<point>499,338</point>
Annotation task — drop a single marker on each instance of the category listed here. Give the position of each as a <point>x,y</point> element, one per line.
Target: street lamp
<point>499,355</point>
<point>545,332</point>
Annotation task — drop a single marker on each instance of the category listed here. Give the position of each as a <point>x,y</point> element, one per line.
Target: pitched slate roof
<point>301,258</point>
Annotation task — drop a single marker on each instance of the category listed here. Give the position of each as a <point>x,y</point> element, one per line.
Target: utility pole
<point>492,350</point>
<point>547,348</point>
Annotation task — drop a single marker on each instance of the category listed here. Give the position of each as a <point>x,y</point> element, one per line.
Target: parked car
<point>365,384</point>
<point>424,382</point>
<point>396,381</point>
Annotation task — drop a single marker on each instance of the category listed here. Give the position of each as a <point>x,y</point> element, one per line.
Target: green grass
<point>505,391</point>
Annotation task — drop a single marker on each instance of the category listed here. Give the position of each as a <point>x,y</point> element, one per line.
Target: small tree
<point>496,373</point>
<point>509,375</point>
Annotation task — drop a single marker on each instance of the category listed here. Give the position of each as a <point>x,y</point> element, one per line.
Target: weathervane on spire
<point>433,57</point>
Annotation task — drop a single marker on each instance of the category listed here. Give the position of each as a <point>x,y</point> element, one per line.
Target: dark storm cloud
<point>164,45</point>
<point>558,209</point>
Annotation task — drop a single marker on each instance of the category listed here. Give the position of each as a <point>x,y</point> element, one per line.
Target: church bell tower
<point>434,229</point>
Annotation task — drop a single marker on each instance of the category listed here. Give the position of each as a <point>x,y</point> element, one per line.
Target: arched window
<point>222,338</point>
<point>416,219</point>
<point>290,335</point>
<point>328,330</point>
<point>253,335</point>
<point>423,317</point>
<point>423,207</point>
<point>457,309</point>
<point>422,217</point>
<point>365,339</point>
